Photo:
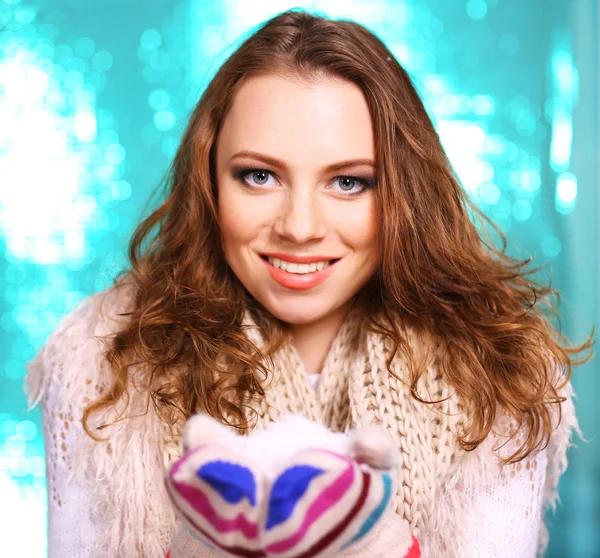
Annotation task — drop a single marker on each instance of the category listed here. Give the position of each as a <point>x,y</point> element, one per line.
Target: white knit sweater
<point>502,511</point>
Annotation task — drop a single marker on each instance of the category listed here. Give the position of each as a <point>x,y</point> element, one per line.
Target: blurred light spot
<point>63,53</point>
<point>435,85</point>
<point>85,98</point>
<point>502,209</point>
<point>489,193</point>
<point>560,144</point>
<point>44,50</point>
<point>73,80</point>
<point>526,124</point>
<point>487,172</point>
<point>464,104</point>
<point>402,53</point>
<point>159,61</point>
<point>449,104</point>
<point>494,144</point>
<point>120,190</point>
<point>20,467</point>
<point>164,120</point>
<point>115,154</point>
<point>566,188</point>
<point>107,137</point>
<point>8,427</point>
<point>484,105</point>
<point>476,9</point>
<point>15,445</point>
<point>27,430</point>
<point>564,72</point>
<point>403,13</point>
<point>85,47</point>
<point>49,114</point>
<point>151,39</point>
<point>25,15</point>
<point>531,180</point>
<point>142,54</point>
<point>521,210</point>
<point>37,466</point>
<point>106,172</point>
<point>511,152</point>
<point>159,99</point>
<point>517,107</point>
<point>22,507</point>
<point>102,61</point>
<point>565,84</point>
<point>551,246</point>
<point>463,142</point>
<point>105,119</point>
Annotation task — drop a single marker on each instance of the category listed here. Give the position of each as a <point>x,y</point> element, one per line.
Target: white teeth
<point>301,269</point>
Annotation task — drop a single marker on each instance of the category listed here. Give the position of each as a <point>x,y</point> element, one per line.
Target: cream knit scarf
<point>436,478</point>
<point>356,389</point>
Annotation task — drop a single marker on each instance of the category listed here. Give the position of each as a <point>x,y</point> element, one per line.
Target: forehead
<point>298,122</point>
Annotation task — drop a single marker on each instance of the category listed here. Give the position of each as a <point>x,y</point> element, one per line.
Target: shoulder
<point>479,489</point>
<point>68,373</point>
<point>482,472</point>
<point>75,346</point>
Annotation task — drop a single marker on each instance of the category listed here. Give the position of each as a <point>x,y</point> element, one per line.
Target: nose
<point>300,218</point>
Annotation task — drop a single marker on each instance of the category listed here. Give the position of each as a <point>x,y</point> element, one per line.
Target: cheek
<point>359,227</point>
<point>240,222</point>
<point>231,216</point>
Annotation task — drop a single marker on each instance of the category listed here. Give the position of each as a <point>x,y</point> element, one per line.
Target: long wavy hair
<point>491,322</point>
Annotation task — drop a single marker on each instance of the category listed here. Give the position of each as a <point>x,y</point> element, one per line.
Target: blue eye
<point>259,175</point>
<point>347,182</point>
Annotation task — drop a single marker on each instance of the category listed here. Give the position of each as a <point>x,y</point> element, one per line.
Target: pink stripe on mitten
<point>313,503</point>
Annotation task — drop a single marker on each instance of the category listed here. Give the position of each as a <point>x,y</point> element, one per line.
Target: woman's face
<point>299,236</point>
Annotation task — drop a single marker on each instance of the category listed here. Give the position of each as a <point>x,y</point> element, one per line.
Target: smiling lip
<point>296,281</point>
<point>308,258</point>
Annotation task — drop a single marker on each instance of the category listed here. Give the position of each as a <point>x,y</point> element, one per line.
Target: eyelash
<point>366,181</point>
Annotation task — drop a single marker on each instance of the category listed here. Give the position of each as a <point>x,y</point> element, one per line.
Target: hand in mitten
<point>293,490</point>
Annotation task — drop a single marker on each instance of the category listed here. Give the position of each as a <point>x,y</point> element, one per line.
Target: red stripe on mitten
<point>415,550</point>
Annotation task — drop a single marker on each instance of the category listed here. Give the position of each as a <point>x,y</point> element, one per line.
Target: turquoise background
<point>94,96</point>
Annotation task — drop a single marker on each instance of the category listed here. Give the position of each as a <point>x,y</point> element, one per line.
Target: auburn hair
<point>439,270</point>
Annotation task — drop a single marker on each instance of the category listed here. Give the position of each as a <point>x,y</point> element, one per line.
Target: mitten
<point>293,490</point>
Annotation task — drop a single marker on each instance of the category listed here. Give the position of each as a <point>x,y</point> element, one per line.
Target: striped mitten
<point>293,490</point>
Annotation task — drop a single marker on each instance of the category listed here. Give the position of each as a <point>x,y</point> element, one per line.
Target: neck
<point>313,340</point>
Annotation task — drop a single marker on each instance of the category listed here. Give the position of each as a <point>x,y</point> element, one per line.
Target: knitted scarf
<point>436,478</point>
<point>355,390</point>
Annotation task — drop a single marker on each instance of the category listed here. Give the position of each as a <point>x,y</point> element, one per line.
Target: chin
<point>298,315</point>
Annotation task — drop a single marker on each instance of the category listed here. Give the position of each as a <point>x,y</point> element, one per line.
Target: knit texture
<point>355,389</point>
<point>292,490</point>
<point>436,483</point>
<point>389,538</point>
<point>320,503</point>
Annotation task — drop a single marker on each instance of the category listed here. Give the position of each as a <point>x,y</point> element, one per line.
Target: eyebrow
<point>279,163</point>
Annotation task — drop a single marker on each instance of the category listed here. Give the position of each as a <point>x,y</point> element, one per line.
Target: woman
<point>313,227</point>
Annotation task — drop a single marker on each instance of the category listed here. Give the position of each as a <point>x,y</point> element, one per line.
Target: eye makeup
<point>367,182</point>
